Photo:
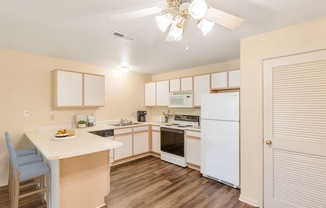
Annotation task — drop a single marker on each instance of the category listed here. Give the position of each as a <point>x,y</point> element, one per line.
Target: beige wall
<point>307,36</point>
<point>25,84</point>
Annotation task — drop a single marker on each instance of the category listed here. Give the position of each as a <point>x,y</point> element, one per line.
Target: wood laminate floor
<point>153,183</point>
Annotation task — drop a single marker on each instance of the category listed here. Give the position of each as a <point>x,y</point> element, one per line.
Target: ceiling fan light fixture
<point>198,9</point>
<point>175,33</point>
<point>176,29</point>
<point>164,21</point>
<point>205,26</point>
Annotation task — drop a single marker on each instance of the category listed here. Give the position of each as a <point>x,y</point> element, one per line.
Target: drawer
<point>141,128</point>
<point>193,133</point>
<point>122,131</point>
<point>156,128</point>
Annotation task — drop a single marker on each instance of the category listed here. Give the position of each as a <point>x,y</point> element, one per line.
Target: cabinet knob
<point>269,142</point>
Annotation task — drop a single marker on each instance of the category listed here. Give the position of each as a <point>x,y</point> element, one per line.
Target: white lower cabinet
<point>140,143</point>
<point>126,149</point>
<point>156,142</point>
<point>193,148</point>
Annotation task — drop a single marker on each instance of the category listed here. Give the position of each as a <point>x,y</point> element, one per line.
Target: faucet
<point>123,120</point>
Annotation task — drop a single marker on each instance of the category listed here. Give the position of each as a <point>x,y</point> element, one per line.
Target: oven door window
<point>172,141</point>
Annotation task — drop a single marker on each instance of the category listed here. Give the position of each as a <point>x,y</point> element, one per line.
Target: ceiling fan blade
<point>222,18</point>
<point>136,14</point>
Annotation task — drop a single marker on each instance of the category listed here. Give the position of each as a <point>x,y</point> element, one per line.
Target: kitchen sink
<point>124,124</point>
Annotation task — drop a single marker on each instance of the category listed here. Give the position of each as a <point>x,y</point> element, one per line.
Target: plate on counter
<point>61,135</point>
<point>66,137</point>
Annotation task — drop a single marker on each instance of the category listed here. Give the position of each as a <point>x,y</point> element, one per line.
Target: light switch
<point>26,113</point>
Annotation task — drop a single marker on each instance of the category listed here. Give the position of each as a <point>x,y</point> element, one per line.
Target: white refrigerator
<point>220,137</point>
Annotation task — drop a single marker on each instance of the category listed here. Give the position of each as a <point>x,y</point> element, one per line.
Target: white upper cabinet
<point>186,84</point>
<point>162,93</point>
<point>175,85</point>
<point>68,89</point>
<point>74,89</point>
<point>224,80</point>
<point>234,78</point>
<point>150,94</point>
<point>219,80</point>
<point>94,90</point>
<point>201,86</point>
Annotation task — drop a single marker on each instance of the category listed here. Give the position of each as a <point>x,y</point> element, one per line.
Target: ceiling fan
<point>177,11</point>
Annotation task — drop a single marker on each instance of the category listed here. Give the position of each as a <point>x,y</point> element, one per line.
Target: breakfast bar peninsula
<point>80,167</point>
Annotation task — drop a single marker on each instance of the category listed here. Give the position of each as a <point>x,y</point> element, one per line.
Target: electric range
<point>173,139</point>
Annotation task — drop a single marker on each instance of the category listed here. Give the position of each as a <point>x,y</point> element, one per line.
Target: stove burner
<point>175,124</point>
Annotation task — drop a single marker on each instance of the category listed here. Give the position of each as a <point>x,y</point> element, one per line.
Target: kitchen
<point>26,86</point>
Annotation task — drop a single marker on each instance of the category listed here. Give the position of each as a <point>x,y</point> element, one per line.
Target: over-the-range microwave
<point>181,100</point>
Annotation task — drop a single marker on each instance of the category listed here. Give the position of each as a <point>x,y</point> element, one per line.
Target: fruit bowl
<point>62,133</point>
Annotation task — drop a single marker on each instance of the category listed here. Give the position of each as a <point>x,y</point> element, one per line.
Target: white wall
<point>307,36</point>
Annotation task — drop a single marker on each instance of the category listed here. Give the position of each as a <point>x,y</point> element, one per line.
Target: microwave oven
<point>180,100</point>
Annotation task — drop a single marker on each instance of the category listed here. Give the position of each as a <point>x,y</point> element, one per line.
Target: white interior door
<point>295,131</point>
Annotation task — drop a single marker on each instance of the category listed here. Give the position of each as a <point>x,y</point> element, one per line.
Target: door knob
<point>269,142</point>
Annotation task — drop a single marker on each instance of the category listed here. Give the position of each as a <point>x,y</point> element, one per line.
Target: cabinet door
<point>175,85</point>
<point>68,89</point>
<point>94,90</point>
<point>234,78</point>
<point>186,84</point>
<point>126,149</point>
<point>219,80</point>
<point>156,142</point>
<point>150,94</point>
<point>140,143</point>
<point>162,93</point>
<point>193,150</point>
<point>201,86</point>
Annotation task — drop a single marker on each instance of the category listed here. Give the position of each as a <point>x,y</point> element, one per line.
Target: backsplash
<point>156,112</point>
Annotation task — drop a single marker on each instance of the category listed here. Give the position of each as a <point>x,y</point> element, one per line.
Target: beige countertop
<point>83,143</point>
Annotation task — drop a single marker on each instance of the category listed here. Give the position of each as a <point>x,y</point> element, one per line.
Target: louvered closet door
<point>295,131</point>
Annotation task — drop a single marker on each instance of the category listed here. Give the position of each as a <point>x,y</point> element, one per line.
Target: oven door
<point>172,141</point>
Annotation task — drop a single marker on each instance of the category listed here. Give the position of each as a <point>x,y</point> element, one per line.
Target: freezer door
<point>220,106</point>
<point>220,150</point>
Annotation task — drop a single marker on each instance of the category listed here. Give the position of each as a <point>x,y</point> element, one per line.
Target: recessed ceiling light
<point>124,69</point>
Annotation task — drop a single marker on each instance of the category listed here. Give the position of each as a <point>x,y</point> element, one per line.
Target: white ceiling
<point>81,30</point>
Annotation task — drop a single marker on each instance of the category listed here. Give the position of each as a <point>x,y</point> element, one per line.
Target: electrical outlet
<point>132,114</point>
<point>26,113</point>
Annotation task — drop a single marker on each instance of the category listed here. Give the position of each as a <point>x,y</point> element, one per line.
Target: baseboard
<point>128,159</point>
<point>155,154</point>
<point>248,201</point>
<point>192,166</point>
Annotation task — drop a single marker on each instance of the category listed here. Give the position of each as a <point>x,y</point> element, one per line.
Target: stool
<point>24,152</point>
<point>37,170</point>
